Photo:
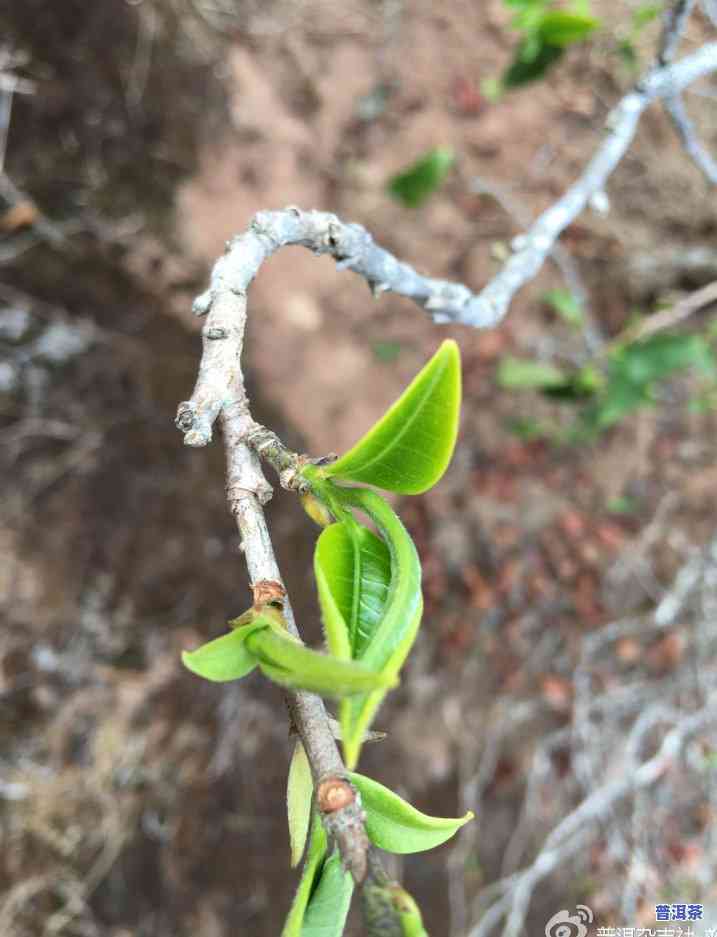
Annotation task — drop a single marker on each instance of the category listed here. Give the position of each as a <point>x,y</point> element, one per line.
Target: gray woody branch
<point>219,392</point>
<point>354,249</point>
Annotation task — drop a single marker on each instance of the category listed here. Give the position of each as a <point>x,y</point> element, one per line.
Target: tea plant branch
<point>560,256</point>
<point>220,392</point>
<point>489,307</point>
<point>675,20</point>
<point>354,249</point>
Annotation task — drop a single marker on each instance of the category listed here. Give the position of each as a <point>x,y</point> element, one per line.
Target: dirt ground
<point>134,799</point>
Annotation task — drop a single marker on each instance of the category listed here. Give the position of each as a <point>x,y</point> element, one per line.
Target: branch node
<point>216,333</point>
<point>343,817</point>
<point>268,592</point>
<point>203,303</point>
<point>334,793</point>
<point>196,439</point>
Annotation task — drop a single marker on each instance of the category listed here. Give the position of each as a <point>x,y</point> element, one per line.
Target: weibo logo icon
<point>564,924</point>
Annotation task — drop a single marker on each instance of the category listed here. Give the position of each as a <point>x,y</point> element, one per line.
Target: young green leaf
<point>299,791</point>
<point>408,912</point>
<point>289,663</point>
<point>315,856</point>
<point>388,645</point>
<point>415,184</point>
<point>409,448</point>
<point>353,573</point>
<point>386,914</point>
<point>358,712</point>
<point>329,904</point>
<point>227,657</point>
<point>394,825</point>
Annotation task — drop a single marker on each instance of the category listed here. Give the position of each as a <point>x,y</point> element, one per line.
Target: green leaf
<point>353,573</point>
<point>299,791</point>
<point>396,826</point>
<point>409,448</point>
<point>567,306</point>
<point>563,29</point>
<point>389,644</point>
<point>389,911</point>
<point>645,14</point>
<point>409,913</point>
<point>286,661</point>
<point>415,184</point>
<point>225,658</point>
<point>358,713</point>
<point>531,62</point>
<point>621,396</point>
<point>628,53</point>
<point>660,355</point>
<point>312,867</point>
<point>330,901</point>
<point>521,374</point>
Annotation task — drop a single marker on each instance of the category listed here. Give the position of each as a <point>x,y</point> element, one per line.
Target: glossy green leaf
<point>299,792</point>
<point>415,184</point>
<point>391,640</point>
<point>396,826</point>
<point>561,28</point>
<point>522,374</point>
<point>315,856</point>
<point>225,658</point>
<point>289,663</point>
<point>409,448</point>
<point>358,713</point>
<point>353,573</point>
<point>329,903</point>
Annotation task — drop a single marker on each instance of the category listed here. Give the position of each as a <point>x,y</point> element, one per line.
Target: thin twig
<point>675,20</point>
<point>559,255</point>
<point>219,392</point>
<point>694,147</point>
<point>669,318</point>
<point>576,830</point>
